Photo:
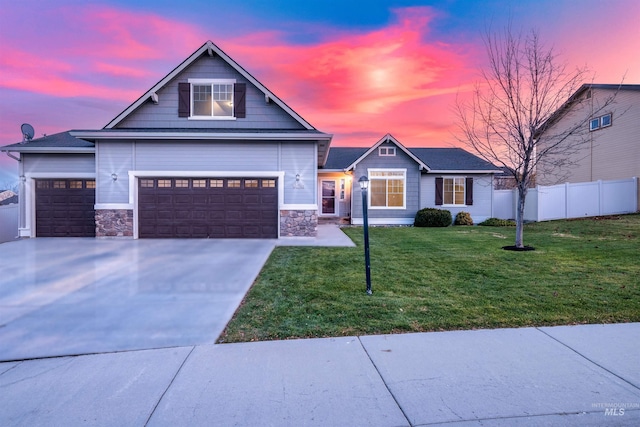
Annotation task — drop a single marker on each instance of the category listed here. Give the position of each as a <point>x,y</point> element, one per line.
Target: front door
<point>328,188</point>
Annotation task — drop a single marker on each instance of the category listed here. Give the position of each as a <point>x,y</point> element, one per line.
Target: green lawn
<point>432,279</point>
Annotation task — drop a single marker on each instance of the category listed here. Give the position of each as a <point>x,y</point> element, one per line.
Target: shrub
<point>496,222</point>
<point>430,217</point>
<point>463,218</point>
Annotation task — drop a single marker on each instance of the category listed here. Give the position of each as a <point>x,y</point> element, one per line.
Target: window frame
<point>370,174</point>
<point>211,83</point>
<point>464,191</point>
<point>387,151</point>
<point>596,123</point>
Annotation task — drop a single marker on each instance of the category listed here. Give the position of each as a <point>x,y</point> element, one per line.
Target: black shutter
<point>239,103</point>
<point>439,191</point>
<point>184,99</point>
<point>469,196</point>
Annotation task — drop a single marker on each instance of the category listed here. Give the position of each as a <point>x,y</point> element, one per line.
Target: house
<point>612,147</point>
<point>208,151</point>
<point>8,197</point>
<point>404,180</point>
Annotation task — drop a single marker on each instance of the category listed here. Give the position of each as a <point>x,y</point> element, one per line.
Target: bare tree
<point>522,92</point>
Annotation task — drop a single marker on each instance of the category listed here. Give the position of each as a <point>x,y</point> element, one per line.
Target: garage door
<point>65,208</point>
<point>208,207</point>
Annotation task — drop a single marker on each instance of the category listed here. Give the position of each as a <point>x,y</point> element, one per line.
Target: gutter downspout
<point>13,157</point>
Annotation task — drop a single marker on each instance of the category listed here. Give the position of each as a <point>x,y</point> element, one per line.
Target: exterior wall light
<point>114,176</point>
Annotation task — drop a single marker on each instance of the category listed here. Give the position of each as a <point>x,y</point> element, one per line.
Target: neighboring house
<point>208,151</point>
<point>612,150</point>
<point>404,180</point>
<point>8,197</point>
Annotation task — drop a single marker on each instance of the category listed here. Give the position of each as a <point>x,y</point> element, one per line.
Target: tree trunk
<point>522,194</point>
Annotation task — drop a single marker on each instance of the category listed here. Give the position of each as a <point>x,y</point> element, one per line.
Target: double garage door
<point>65,208</point>
<point>207,207</point>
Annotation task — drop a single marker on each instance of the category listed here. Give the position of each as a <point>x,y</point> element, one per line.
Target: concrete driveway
<point>80,296</point>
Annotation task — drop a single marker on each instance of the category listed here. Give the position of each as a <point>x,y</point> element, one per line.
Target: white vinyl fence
<point>562,201</point>
<point>8,222</point>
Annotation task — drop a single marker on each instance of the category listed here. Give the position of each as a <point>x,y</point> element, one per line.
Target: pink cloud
<point>391,80</point>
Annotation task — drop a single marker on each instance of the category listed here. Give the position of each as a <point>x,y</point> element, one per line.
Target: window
<point>59,184</point>
<point>146,183</point>
<point>182,183</point>
<point>454,191</point>
<point>75,184</point>
<point>199,183</point>
<point>216,183</point>
<point>250,183</point>
<point>386,151</point>
<point>91,184</point>
<point>234,183</point>
<point>387,188</point>
<point>268,183</point>
<point>164,183</point>
<point>600,122</point>
<point>207,99</point>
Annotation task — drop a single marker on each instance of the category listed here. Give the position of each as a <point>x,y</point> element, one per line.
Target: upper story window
<point>211,99</point>
<point>386,151</point>
<point>600,122</point>
<point>387,188</point>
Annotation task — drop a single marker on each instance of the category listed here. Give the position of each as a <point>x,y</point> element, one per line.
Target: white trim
<point>467,172</point>
<point>298,207</point>
<point>383,221</point>
<point>211,82</point>
<point>256,136</point>
<point>464,194</point>
<point>404,188</point>
<point>114,206</point>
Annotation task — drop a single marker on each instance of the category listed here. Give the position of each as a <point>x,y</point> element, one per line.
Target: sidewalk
<point>585,375</point>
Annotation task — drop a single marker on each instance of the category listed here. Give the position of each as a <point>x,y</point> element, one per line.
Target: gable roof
<point>447,160</point>
<point>62,142</point>
<point>209,48</point>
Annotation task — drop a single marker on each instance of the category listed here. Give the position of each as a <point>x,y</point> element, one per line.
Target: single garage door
<point>65,208</point>
<point>208,207</point>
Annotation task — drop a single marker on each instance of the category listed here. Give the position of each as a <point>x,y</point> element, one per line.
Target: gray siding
<point>232,156</point>
<point>59,163</point>
<point>260,115</point>
<point>400,161</point>
<point>113,157</point>
<point>482,196</point>
<point>607,154</point>
<point>299,159</point>
<point>206,156</point>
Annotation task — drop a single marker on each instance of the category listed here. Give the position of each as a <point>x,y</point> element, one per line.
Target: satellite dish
<point>27,132</point>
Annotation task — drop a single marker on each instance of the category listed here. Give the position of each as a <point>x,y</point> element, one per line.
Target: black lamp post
<point>364,186</point>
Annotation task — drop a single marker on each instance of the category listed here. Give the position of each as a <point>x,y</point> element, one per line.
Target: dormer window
<point>386,151</point>
<point>212,99</point>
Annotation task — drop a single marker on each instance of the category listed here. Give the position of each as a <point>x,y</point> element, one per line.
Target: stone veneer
<point>114,223</point>
<point>302,223</point>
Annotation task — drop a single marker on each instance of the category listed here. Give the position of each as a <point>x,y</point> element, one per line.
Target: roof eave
<point>97,135</point>
<point>50,150</point>
<point>493,171</point>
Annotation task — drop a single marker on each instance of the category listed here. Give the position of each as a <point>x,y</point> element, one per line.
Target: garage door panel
<point>212,207</point>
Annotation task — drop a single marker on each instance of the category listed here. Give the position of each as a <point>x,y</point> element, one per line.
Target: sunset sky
<point>355,69</point>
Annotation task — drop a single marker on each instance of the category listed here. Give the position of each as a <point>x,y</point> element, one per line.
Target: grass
<point>432,279</point>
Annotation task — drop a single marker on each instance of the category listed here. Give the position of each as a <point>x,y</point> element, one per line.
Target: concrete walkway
<point>585,375</point>
<point>556,376</point>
